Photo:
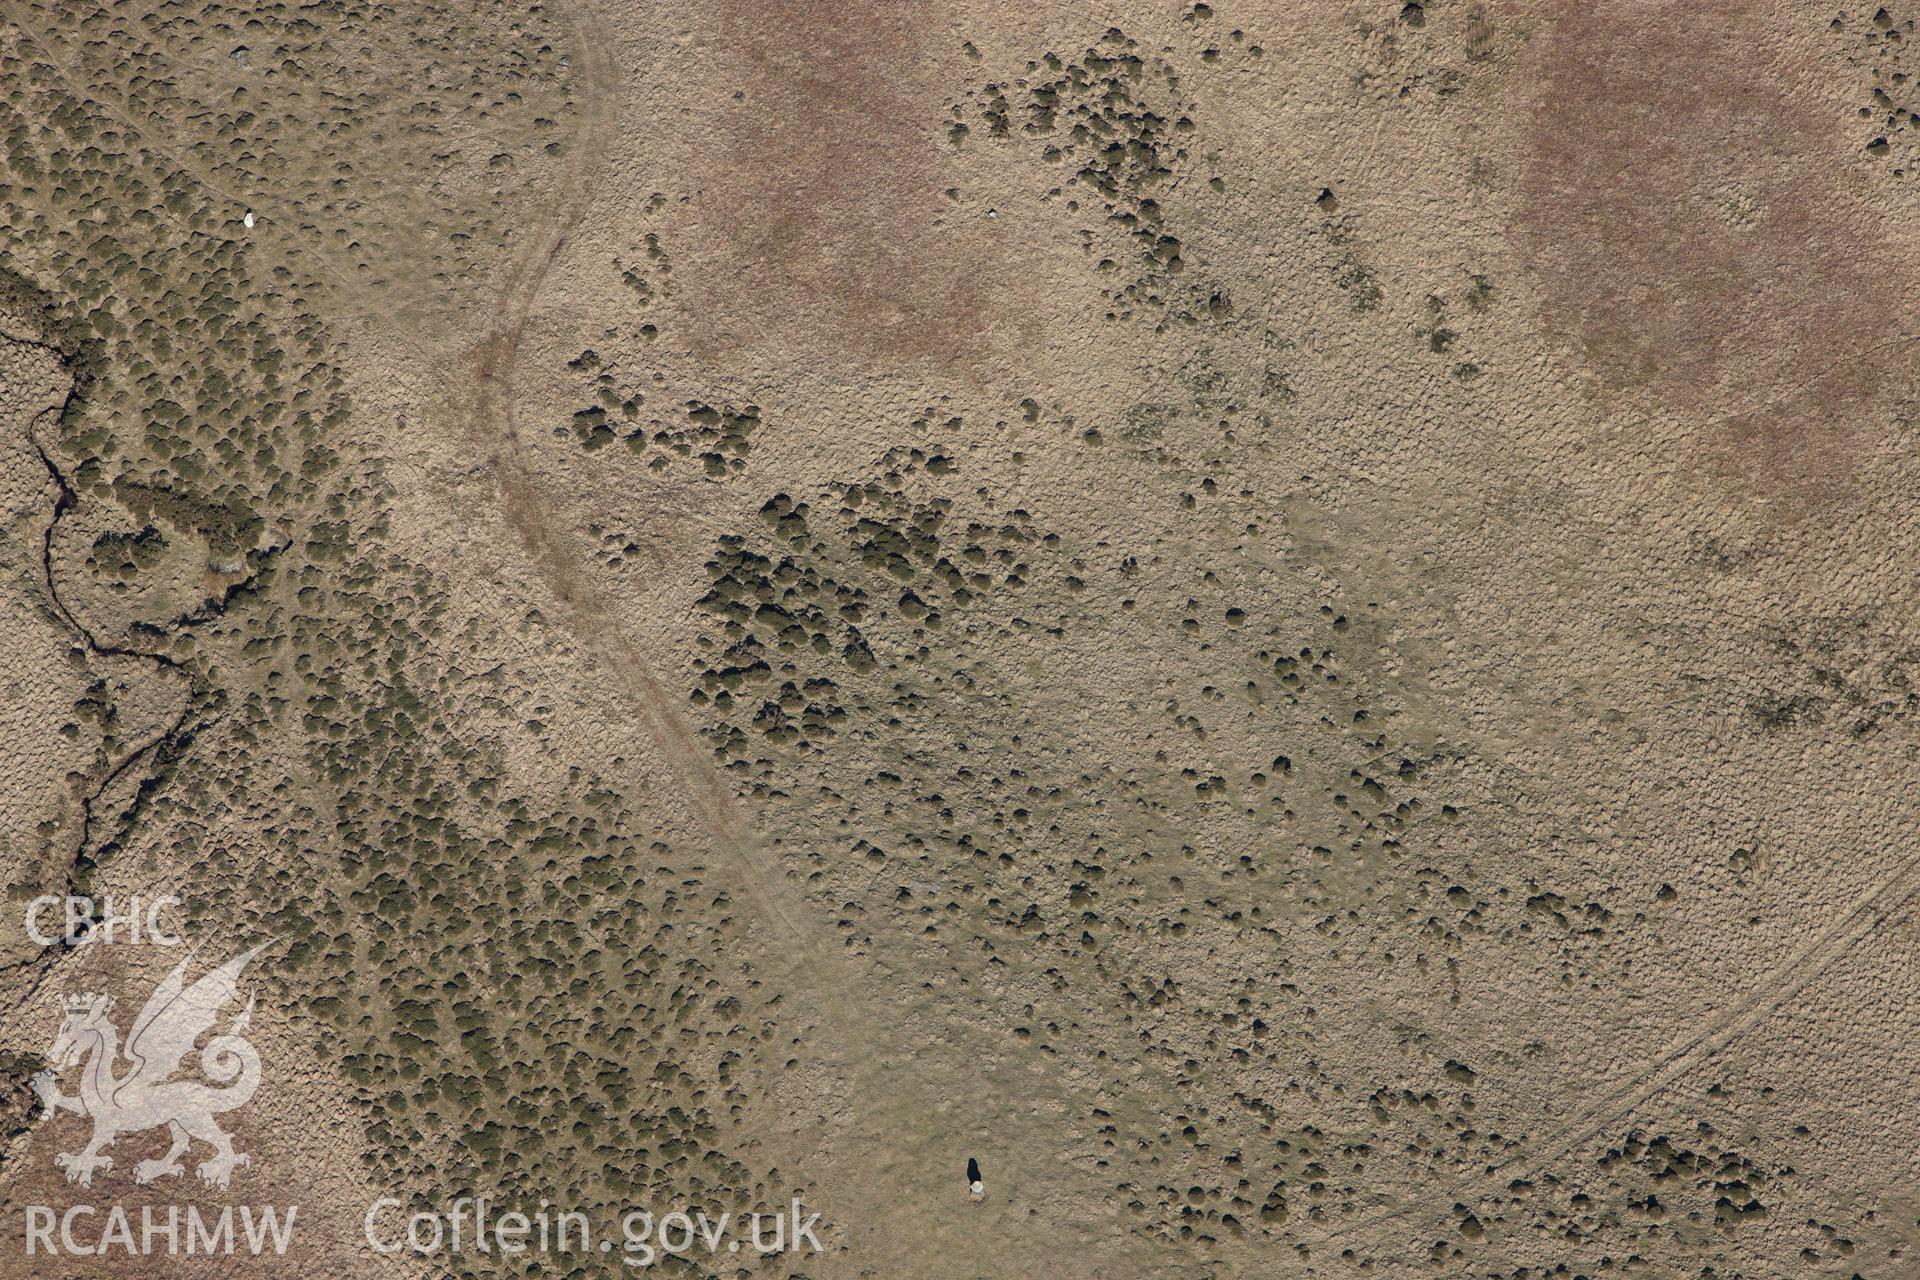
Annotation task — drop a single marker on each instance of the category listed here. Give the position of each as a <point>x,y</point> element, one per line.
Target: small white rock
<point>978,1188</point>
<point>248,220</point>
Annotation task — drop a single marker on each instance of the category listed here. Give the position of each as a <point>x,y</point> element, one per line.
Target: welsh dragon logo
<point>145,1096</point>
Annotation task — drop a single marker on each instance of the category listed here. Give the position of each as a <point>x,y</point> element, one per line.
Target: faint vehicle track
<point>320,271</point>
<point>496,370</point>
<point>871,1047</point>
<point>556,559</point>
<point>1781,983</point>
<point>172,742</point>
<point>116,110</point>
<point>883,1067</point>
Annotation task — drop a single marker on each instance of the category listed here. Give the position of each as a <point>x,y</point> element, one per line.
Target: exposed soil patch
<point>1696,237</point>
<point>824,178</point>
